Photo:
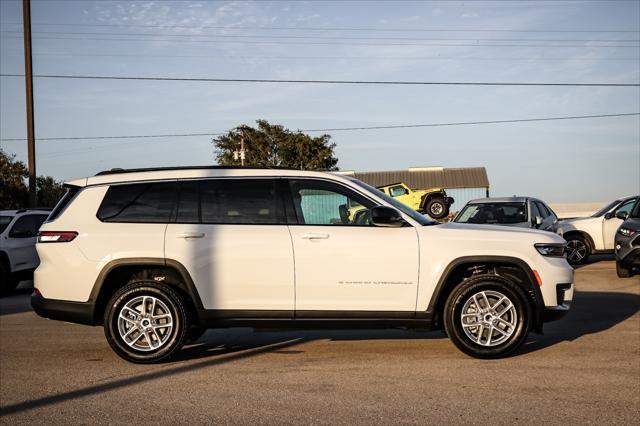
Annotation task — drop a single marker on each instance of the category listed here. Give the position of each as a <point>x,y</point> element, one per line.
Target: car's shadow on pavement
<point>595,258</point>
<point>591,312</point>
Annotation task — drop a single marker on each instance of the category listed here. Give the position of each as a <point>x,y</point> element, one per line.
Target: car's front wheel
<point>487,316</point>
<point>621,271</point>
<point>145,322</point>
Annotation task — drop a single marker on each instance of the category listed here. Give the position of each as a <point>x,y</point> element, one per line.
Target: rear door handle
<point>314,236</point>
<point>191,235</point>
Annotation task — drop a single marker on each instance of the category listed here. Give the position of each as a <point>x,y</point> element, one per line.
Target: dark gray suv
<point>627,247</point>
<point>525,212</point>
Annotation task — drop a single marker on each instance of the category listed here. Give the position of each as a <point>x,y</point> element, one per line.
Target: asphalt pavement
<point>585,369</point>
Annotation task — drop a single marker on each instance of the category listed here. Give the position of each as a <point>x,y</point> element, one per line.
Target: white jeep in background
<point>157,256</point>
<point>594,234</point>
<point>18,257</point>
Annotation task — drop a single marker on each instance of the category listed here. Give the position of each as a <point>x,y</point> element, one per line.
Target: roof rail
<point>116,171</point>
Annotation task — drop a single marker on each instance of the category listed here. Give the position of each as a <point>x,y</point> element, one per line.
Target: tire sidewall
<point>445,208</point>
<point>453,322</point>
<point>179,317</point>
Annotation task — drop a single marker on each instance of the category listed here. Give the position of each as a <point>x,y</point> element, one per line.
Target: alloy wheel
<point>489,318</point>
<point>576,250</point>
<point>145,323</point>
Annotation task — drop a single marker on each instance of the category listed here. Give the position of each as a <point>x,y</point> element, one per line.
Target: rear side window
<point>139,203</point>
<point>231,201</point>
<point>4,222</point>
<point>27,226</point>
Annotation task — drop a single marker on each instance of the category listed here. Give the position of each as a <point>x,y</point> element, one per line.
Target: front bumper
<point>627,250</point>
<point>555,313</point>
<point>62,310</point>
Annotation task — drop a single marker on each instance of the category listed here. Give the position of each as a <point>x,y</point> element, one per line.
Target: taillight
<point>56,236</point>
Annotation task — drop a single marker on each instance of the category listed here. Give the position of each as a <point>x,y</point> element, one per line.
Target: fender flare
<point>514,261</point>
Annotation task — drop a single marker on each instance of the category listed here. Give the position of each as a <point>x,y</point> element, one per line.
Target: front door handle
<point>191,235</point>
<point>314,236</point>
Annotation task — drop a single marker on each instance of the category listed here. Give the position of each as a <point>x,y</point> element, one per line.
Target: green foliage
<point>14,193</point>
<point>270,145</point>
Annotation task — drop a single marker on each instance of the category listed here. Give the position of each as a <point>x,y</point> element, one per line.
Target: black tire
<point>171,341</point>
<point>494,287</point>
<point>195,333</point>
<point>578,249</point>
<point>437,208</point>
<point>8,281</point>
<point>622,271</point>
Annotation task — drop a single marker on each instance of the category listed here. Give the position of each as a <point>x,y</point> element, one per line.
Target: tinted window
<point>324,203</point>
<point>543,209</point>
<point>625,207</point>
<point>606,209</point>
<point>139,203</point>
<point>230,201</point>
<point>502,213</point>
<point>636,210</point>
<point>27,226</point>
<point>4,222</point>
<point>64,202</point>
<point>535,211</point>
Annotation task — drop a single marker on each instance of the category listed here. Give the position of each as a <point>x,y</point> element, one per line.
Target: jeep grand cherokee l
<point>157,256</point>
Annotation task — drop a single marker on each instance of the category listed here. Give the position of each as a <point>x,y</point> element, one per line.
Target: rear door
<point>345,264</point>
<point>232,237</point>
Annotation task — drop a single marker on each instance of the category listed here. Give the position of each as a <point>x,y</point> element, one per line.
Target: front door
<point>232,237</point>
<point>344,263</point>
<point>610,226</point>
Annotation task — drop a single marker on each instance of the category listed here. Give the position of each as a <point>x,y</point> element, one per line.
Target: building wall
<point>464,195</point>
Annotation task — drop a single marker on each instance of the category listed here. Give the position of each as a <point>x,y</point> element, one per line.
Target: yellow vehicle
<point>432,201</point>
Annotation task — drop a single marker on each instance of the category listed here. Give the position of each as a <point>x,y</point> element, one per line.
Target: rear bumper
<point>61,310</point>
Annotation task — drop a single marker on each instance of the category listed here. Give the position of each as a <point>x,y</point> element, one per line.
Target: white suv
<point>18,257</point>
<point>157,256</point>
<point>594,234</point>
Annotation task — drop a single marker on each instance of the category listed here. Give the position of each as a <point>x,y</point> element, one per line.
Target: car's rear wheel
<point>622,271</point>
<point>487,316</point>
<point>437,208</point>
<point>578,249</point>
<point>145,322</point>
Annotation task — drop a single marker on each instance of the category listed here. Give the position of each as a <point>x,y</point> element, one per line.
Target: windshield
<point>635,213</point>
<point>422,220</point>
<point>606,208</point>
<point>4,222</point>
<point>494,213</point>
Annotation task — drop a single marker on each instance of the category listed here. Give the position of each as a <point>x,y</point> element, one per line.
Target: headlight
<point>626,232</point>
<point>552,250</point>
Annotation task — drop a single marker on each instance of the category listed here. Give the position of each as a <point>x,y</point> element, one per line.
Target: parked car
<point>18,257</point>
<point>432,201</point>
<point>627,246</point>
<point>525,212</point>
<point>156,256</point>
<point>595,234</point>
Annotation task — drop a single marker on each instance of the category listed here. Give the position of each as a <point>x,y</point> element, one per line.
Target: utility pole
<point>242,153</point>
<point>28,77</point>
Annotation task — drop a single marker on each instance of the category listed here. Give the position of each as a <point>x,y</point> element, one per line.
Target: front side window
<point>625,207</point>
<point>230,201</point>
<point>493,213</point>
<point>543,210</point>
<point>27,226</point>
<point>4,222</point>
<point>324,203</point>
<point>606,208</point>
<point>397,191</point>
<point>139,203</point>
<point>635,212</point>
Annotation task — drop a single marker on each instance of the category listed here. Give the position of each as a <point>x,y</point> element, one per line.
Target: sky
<point>589,160</point>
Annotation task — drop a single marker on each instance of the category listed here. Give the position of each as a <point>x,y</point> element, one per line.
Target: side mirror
<point>608,215</point>
<point>386,217</point>
<point>622,215</point>
<point>21,233</point>
<point>539,220</point>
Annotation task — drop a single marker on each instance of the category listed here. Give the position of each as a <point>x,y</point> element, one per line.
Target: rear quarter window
<point>139,203</point>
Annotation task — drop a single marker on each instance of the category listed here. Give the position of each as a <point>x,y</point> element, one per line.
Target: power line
<point>442,58</point>
<point>357,82</point>
<point>320,43</point>
<point>325,37</point>
<point>291,28</point>
<point>337,129</point>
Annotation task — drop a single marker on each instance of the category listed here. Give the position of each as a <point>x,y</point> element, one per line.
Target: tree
<point>14,193</point>
<point>272,145</point>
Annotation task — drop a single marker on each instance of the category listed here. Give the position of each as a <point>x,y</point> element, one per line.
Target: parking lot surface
<point>584,369</point>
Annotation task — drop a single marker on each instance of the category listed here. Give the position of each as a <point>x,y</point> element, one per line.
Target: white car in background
<point>18,235</point>
<point>594,234</point>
